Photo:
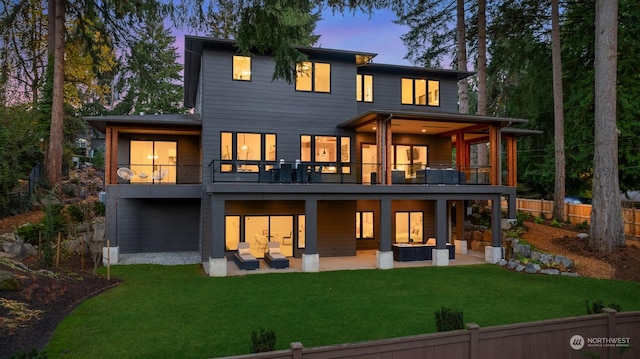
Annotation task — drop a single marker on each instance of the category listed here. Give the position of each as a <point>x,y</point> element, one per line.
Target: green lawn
<point>175,312</point>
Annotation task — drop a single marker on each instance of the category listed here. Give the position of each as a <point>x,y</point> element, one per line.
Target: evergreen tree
<point>151,75</point>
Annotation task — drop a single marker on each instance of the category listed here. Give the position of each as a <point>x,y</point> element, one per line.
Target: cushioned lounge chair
<point>244,259</point>
<point>274,258</point>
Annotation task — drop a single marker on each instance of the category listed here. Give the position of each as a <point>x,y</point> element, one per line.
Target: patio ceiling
<point>429,123</point>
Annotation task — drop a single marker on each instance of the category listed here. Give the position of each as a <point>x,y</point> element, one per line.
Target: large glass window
<point>409,227</point>
<point>232,232</point>
<point>328,149</point>
<point>242,68</point>
<point>364,88</point>
<point>408,158</point>
<point>364,225</point>
<point>153,161</point>
<point>242,150</point>
<point>260,230</point>
<point>420,92</point>
<point>312,76</point>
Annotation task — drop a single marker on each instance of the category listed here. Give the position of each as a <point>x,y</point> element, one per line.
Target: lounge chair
<point>244,259</point>
<point>274,258</point>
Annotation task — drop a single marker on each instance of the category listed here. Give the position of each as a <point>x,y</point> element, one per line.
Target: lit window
<point>409,226</point>
<point>313,77</point>
<point>364,225</point>
<point>242,68</point>
<point>241,152</point>
<point>364,88</point>
<point>303,76</point>
<point>327,149</point>
<point>407,91</point>
<point>434,93</point>
<point>420,92</point>
<point>153,161</point>
<point>322,77</point>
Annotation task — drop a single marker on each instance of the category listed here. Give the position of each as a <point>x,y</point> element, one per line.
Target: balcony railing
<point>147,174</point>
<point>343,173</point>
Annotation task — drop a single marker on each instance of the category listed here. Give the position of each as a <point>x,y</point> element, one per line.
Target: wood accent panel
<point>494,157</point>
<point>512,161</point>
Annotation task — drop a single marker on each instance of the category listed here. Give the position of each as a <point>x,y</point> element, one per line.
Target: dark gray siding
<point>265,106</point>
<point>336,228</point>
<point>154,225</point>
<point>387,92</point>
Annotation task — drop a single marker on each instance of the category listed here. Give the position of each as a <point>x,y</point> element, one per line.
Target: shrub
<point>30,232</point>
<point>33,354</point>
<point>263,342</point>
<point>556,224</point>
<point>449,319</point>
<point>521,217</point>
<point>539,219</point>
<point>98,159</point>
<point>597,306</point>
<point>99,208</point>
<point>583,225</point>
<point>75,213</point>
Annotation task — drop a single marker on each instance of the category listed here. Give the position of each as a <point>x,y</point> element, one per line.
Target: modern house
<point>354,155</point>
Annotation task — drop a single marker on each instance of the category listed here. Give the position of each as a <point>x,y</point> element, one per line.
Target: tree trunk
<point>606,213</point>
<point>54,153</point>
<point>558,111</point>
<point>463,85</point>
<point>482,79</point>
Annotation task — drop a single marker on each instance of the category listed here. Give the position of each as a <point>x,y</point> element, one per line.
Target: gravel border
<point>163,258</point>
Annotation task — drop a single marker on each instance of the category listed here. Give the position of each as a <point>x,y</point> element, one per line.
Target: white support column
<point>440,257</point>
<point>311,262</point>
<point>384,260</point>
<point>492,254</point>
<point>217,267</point>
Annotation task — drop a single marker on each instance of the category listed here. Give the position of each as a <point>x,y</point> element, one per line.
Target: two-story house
<point>354,155</point>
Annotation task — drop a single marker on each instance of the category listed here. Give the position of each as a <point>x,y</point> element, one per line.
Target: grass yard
<point>176,312</point>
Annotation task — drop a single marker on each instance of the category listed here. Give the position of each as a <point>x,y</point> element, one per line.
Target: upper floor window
<point>242,68</point>
<point>241,152</point>
<point>313,76</point>
<point>420,92</point>
<point>364,88</point>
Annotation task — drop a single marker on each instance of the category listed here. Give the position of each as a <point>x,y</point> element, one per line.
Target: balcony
<point>228,171</point>
<point>146,174</point>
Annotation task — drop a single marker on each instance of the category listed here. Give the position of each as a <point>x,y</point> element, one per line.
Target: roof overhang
<point>100,123</point>
<point>433,123</point>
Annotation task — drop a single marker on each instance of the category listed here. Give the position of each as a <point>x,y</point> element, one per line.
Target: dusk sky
<point>376,34</point>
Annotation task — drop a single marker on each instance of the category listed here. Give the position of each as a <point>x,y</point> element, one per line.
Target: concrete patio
<point>364,259</point>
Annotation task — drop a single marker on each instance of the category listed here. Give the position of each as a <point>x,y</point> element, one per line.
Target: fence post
<point>473,340</point>
<point>296,350</point>
<point>611,329</point>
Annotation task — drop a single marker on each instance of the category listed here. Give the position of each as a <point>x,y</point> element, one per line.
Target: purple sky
<point>376,34</point>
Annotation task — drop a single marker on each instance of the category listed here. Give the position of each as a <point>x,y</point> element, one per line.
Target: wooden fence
<point>598,335</point>
<point>577,213</point>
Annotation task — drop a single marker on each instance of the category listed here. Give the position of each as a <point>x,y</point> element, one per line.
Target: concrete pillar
<point>217,227</point>
<point>384,260</point>
<point>217,267</point>
<point>385,225</point>
<point>440,254</point>
<point>311,259</point>
<point>494,254</point>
